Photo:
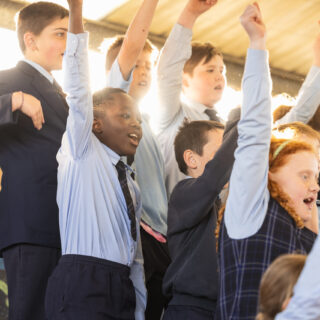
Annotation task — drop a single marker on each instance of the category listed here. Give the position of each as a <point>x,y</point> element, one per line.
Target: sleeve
<point>305,303</point>
<point>6,114</point>
<point>308,99</point>
<point>76,84</point>
<point>248,194</point>
<point>176,51</point>
<point>115,78</point>
<point>137,277</point>
<point>184,202</point>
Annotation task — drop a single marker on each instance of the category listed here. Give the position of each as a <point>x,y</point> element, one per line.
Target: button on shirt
<point>93,213</point>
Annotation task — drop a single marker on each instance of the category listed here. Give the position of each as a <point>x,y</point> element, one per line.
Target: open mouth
<point>143,83</point>
<point>134,139</point>
<point>219,87</point>
<point>309,202</point>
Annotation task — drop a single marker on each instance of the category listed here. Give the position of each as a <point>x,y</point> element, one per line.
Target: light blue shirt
<point>248,198</point>
<point>170,109</point>
<point>308,99</point>
<point>305,303</point>
<point>44,72</point>
<point>93,213</point>
<point>150,172</point>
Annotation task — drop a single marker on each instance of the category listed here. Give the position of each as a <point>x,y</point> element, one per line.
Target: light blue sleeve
<point>308,99</point>
<point>305,303</point>
<point>115,78</point>
<point>176,51</point>
<point>248,194</point>
<point>77,86</point>
<point>137,277</point>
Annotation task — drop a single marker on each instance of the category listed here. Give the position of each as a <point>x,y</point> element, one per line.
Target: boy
<point>191,280</point>
<point>100,273</point>
<point>202,83</point>
<point>29,95</point>
<point>148,160</point>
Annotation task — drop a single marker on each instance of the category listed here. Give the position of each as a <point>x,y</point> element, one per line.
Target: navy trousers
<point>187,313</point>
<point>83,288</point>
<point>28,268</point>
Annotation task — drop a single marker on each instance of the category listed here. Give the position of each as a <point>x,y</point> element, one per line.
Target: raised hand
<point>30,106</point>
<point>316,49</point>
<point>193,9</point>
<point>252,22</point>
<point>75,16</point>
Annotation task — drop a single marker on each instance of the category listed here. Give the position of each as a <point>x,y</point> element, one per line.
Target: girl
<point>273,189</point>
<point>276,287</point>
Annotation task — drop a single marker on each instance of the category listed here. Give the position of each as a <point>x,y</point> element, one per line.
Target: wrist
<point>258,44</point>
<point>187,18</point>
<point>17,100</point>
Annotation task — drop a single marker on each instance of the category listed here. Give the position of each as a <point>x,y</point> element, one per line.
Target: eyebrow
<point>64,29</point>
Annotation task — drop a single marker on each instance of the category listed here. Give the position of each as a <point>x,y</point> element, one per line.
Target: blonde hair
<point>277,284</point>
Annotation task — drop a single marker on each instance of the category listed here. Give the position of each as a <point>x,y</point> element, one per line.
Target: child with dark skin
<point>100,273</point>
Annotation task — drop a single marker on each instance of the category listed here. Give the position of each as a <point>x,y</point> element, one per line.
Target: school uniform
<point>170,109</point>
<point>191,281</point>
<point>100,274</point>
<point>150,177</point>
<point>255,228</point>
<point>29,231</point>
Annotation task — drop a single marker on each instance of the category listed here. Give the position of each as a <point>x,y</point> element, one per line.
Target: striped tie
<point>122,176</point>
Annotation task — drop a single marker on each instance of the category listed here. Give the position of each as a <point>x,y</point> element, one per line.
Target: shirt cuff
<point>75,42</point>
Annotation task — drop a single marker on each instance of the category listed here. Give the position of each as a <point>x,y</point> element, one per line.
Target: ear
<point>97,126</point>
<point>189,159</point>
<point>185,80</point>
<point>30,41</point>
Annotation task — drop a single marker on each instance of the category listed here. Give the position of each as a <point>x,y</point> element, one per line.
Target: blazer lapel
<point>43,86</point>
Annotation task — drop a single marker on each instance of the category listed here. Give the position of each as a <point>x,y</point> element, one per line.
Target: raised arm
<point>176,51</point>
<point>136,37</point>
<point>248,194</point>
<point>309,95</point>
<point>76,85</point>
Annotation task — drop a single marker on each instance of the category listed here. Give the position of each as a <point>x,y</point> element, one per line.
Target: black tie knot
<point>212,114</point>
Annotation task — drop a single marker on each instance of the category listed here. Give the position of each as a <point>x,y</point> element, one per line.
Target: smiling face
<point>119,126</point>
<point>207,82</point>
<point>48,47</point>
<point>298,178</point>
<point>141,80</point>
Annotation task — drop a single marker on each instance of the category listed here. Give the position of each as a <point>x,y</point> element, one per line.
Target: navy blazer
<point>28,208</point>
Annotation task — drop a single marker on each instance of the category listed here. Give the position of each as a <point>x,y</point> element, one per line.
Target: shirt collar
<point>44,72</point>
<point>199,107</point>
<point>115,158</point>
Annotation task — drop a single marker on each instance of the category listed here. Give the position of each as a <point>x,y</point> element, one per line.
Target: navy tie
<point>122,176</point>
<point>212,114</point>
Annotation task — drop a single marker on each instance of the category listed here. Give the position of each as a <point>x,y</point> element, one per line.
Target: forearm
<point>175,53</point>
<point>308,99</point>
<point>8,105</point>
<point>136,37</point>
<point>75,18</point>
<point>248,194</point>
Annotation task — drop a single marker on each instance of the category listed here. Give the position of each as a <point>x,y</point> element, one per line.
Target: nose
<point>315,186</point>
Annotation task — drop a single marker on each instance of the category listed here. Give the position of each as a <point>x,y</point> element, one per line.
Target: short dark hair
<point>102,96</point>
<point>193,135</point>
<point>200,51</point>
<point>36,16</point>
<point>114,46</point>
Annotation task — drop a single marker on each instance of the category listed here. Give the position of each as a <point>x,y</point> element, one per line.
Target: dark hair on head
<point>102,96</point>
<point>200,51</point>
<point>112,47</point>
<point>277,283</point>
<point>36,16</point>
<point>193,135</point>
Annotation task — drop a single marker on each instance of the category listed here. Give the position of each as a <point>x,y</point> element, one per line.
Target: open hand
<point>252,22</point>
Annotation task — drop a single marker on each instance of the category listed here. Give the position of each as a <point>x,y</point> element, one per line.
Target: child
<point>33,116</point>
<point>198,71</point>
<point>148,159</point>
<point>305,303</point>
<point>258,224</point>
<point>191,281</point>
<point>276,287</point>
<point>100,274</point>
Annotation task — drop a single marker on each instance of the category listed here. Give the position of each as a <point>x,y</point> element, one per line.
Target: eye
<point>210,70</point>
<point>126,115</point>
<point>60,34</point>
<point>305,177</point>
